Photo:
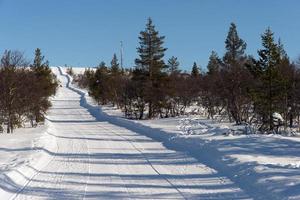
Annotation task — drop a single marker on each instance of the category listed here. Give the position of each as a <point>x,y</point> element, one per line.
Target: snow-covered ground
<point>85,152</point>
<point>79,70</point>
<point>90,155</point>
<point>266,166</point>
<point>17,148</point>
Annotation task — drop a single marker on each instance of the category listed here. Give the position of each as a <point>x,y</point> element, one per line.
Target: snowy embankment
<point>264,166</point>
<point>22,154</point>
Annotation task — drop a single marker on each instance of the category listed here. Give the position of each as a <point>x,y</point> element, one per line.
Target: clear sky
<point>85,32</point>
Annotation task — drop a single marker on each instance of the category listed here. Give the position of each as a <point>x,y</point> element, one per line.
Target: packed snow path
<point>95,159</point>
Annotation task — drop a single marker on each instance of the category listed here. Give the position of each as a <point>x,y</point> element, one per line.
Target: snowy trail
<point>95,159</point>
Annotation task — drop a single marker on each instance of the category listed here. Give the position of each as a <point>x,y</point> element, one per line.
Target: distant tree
<point>115,68</point>
<point>102,65</point>
<point>212,87</point>
<point>235,46</point>
<point>173,65</point>
<point>70,71</point>
<point>98,86</point>
<point>195,70</point>
<point>115,81</point>
<point>214,63</point>
<point>83,80</point>
<point>171,89</point>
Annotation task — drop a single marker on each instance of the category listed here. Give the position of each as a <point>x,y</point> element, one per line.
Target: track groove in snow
<point>29,179</point>
<point>143,155</point>
<point>89,170</point>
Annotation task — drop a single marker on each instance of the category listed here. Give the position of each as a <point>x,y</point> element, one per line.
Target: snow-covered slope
<point>88,154</point>
<point>265,166</point>
<point>95,158</point>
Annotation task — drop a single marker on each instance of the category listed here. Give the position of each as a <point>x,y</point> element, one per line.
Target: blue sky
<point>85,32</point>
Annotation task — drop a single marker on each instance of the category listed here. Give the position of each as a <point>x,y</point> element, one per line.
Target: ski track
<point>99,160</point>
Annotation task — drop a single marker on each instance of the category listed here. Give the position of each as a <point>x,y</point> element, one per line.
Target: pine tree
<point>211,86</point>
<point>47,85</point>
<point>150,65</point>
<point>214,63</point>
<point>195,71</point>
<point>268,68</point>
<point>172,87</point>
<point>99,85</point>
<point>234,76</point>
<point>38,59</point>
<point>235,46</point>
<point>151,51</point>
<point>115,81</point>
<point>173,65</point>
<point>102,65</point>
<point>115,68</point>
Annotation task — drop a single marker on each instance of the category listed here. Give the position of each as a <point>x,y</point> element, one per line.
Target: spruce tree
<point>99,85</point>
<point>212,87</point>
<point>214,63</point>
<point>268,68</point>
<point>195,71</point>
<point>151,51</point>
<point>173,65</point>
<point>115,69</point>
<point>150,65</point>
<point>171,89</point>
<point>235,46</point>
<point>235,75</point>
<point>47,85</point>
<point>115,81</point>
<point>102,64</point>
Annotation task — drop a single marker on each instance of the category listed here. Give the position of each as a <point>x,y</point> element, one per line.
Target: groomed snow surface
<point>84,152</point>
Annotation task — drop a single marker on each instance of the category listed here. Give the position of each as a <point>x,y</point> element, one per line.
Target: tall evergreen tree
<point>47,85</point>
<point>115,81</point>
<point>150,65</point>
<point>268,68</point>
<point>235,46</point>
<point>235,75</point>
<point>151,51</point>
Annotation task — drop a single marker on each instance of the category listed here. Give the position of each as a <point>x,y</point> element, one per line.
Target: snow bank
<point>14,179</point>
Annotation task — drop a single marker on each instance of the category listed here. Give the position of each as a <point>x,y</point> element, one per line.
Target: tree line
<point>241,87</point>
<point>24,89</point>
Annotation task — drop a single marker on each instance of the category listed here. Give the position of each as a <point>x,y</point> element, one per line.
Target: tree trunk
<point>150,112</point>
<point>291,120</point>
